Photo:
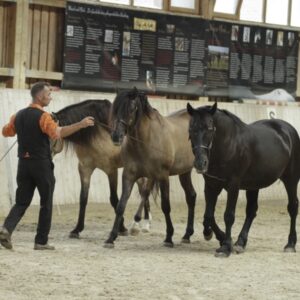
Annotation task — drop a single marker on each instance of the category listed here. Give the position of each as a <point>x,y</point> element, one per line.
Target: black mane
<point>235,118</point>
<point>99,109</point>
<point>121,104</point>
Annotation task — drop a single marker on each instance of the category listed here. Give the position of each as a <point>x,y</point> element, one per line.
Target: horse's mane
<point>232,116</point>
<point>121,104</point>
<point>99,109</point>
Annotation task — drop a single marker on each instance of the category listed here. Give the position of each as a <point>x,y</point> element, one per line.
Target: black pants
<point>32,174</point>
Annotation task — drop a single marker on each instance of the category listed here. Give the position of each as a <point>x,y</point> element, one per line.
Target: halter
<point>208,147</point>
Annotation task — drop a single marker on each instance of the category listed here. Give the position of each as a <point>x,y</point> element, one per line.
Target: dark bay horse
<point>232,155</point>
<point>155,147</point>
<point>95,149</point>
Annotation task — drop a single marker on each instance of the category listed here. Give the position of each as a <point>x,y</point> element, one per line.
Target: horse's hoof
<point>146,227</point>
<point>168,244</point>
<point>288,249</point>
<point>74,235</point>
<point>134,231</point>
<point>134,228</point>
<point>223,251</point>
<point>185,241</point>
<point>208,237</point>
<point>108,245</point>
<point>238,249</point>
<point>222,254</point>
<point>123,233</point>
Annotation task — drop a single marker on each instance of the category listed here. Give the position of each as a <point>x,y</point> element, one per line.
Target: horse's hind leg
<point>113,185</point>
<point>291,188</point>
<point>85,173</point>
<point>190,196</point>
<point>144,186</point>
<point>251,210</point>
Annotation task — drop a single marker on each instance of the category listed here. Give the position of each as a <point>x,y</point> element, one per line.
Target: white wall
<point>67,178</point>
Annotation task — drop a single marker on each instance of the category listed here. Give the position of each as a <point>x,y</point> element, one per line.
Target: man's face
<point>44,96</point>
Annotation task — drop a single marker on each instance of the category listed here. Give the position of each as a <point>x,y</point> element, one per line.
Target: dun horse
<point>232,155</point>
<point>155,147</point>
<point>95,149</point>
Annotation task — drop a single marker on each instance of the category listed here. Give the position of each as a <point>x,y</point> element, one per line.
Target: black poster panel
<point>107,48</point>
<point>110,48</point>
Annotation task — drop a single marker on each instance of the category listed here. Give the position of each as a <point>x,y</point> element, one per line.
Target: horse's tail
<point>155,191</point>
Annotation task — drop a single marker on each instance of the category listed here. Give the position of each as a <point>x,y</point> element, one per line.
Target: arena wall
<point>67,178</point>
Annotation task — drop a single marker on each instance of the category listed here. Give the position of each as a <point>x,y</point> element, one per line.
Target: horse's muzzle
<point>117,139</point>
<point>201,167</point>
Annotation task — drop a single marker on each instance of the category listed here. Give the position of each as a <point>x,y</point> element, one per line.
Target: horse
<point>235,156</point>
<point>155,147</point>
<point>94,149</point>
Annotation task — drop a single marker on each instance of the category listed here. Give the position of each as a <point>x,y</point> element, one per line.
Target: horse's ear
<point>190,109</point>
<point>213,109</point>
<point>133,93</point>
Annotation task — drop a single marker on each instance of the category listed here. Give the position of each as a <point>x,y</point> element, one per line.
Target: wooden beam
<point>264,12</point>
<point>35,47</point>
<point>10,72</point>
<point>298,75</point>
<point>43,54</point>
<point>52,40</point>
<point>51,3</point>
<point>44,75</point>
<point>20,43</point>
<point>207,9</point>
<point>238,9</point>
<point>2,27</point>
<point>289,13</point>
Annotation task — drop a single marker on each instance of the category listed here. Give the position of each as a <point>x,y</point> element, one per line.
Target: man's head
<point>41,93</point>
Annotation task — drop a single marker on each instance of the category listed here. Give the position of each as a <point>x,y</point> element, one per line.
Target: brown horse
<point>155,147</point>
<point>94,149</point>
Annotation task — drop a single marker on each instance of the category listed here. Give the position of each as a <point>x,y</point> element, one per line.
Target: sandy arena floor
<point>139,267</point>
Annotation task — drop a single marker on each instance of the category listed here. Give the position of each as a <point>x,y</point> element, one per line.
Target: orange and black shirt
<point>33,127</point>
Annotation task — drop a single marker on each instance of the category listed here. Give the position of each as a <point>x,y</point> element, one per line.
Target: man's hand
<point>87,121</point>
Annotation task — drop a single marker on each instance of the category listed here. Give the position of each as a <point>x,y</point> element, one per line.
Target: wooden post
<point>207,8</point>
<point>20,54</point>
<point>298,75</point>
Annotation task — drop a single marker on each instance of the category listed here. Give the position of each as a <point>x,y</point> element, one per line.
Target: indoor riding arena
<point>172,129</point>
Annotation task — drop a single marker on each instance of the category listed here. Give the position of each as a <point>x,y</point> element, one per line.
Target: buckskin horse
<point>94,149</point>
<point>232,155</point>
<point>155,147</point>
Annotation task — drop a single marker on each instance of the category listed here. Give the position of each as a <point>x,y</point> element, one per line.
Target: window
<point>158,4</point>
<point>295,17</point>
<point>227,7</point>
<point>277,12</point>
<point>126,2</point>
<point>252,10</point>
<point>187,4</point>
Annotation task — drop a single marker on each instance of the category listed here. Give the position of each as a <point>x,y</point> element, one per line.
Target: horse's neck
<point>140,137</point>
<point>226,128</point>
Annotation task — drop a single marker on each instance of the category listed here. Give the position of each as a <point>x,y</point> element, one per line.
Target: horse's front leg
<point>113,186</point>
<point>229,216</point>
<point>209,223</point>
<point>166,208</point>
<point>127,184</point>
<point>190,196</point>
<point>85,173</point>
<point>251,209</point>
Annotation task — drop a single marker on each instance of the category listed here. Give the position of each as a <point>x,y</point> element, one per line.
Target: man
<point>33,127</point>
